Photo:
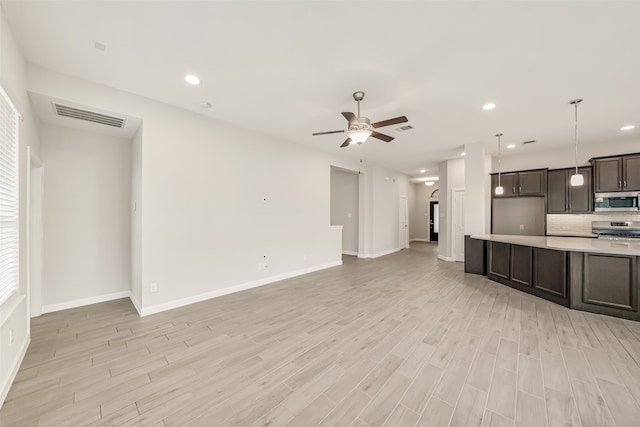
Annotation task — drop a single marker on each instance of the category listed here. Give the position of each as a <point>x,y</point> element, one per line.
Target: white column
<point>477,199</point>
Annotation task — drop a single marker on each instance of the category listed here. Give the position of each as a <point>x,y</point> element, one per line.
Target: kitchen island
<point>595,275</point>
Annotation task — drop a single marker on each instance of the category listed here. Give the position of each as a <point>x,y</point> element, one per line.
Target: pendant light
<point>499,189</point>
<point>576,179</point>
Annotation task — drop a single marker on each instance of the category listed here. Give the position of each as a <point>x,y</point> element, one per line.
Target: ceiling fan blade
<point>390,122</point>
<point>353,120</point>
<point>382,136</point>
<point>346,143</point>
<point>326,133</point>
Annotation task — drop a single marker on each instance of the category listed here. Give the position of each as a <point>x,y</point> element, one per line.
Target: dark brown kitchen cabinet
<point>537,271</point>
<point>523,183</point>
<point>620,173</point>
<point>520,266</point>
<point>550,272</point>
<point>631,173</point>
<point>508,181</point>
<point>557,193</point>
<point>499,254</point>
<point>562,197</point>
<point>532,183</point>
<point>608,174</point>
<point>605,284</point>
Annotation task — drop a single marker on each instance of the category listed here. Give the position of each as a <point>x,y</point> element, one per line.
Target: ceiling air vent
<point>88,116</point>
<point>532,141</point>
<point>404,128</point>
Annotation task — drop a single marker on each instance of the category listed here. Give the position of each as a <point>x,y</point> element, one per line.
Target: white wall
<point>205,222</point>
<point>136,219</point>
<point>344,207</point>
<point>206,225</point>
<point>87,243</point>
<point>14,313</point>
<point>387,187</point>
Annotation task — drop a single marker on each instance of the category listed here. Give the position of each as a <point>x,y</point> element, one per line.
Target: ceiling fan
<point>361,128</point>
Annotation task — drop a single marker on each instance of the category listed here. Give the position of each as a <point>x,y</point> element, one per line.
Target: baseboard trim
<point>135,303</point>
<point>14,371</point>
<point>379,254</point>
<point>445,258</point>
<point>146,311</point>
<point>419,240</point>
<point>85,301</point>
<point>350,253</point>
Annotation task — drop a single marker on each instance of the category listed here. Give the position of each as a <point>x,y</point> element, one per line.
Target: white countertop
<point>574,244</point>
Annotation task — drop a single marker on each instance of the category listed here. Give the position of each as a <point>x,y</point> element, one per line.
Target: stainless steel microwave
<point>616,202</point>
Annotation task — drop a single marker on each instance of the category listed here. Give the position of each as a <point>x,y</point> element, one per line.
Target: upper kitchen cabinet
<point>620,173</point>
<point>631,172</point>
<point>532,183</point>
<point>524,183</point>
<point>562,197</point>
<point>508,181</point>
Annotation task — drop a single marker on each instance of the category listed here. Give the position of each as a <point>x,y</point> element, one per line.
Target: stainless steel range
<point>617,230</point>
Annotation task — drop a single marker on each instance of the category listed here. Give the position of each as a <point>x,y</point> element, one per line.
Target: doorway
<point>458,224</point>
<point>434,221</point>
<point>403,242</point>
<point>345,207</point>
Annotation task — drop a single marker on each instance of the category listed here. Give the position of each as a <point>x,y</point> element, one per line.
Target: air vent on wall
<point>404,128</point>
<point>532,141</point>
<point>88,116</point>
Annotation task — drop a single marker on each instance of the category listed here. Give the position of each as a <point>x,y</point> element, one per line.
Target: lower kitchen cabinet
<point>601,283</point>
<point>521,264</point>
<point>606,284</point>
<point>550,275</point>
<point>541,272</point>
<point>499,255</point>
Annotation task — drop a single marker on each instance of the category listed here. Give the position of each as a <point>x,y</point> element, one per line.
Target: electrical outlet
<point>153,287</point>
<point>521,226</point>
<point>10,336</point>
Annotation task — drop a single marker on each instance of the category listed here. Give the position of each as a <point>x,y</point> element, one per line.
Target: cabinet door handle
<point>619,183</point>
<point>520,189</point>
<point>514,190</point>
<point>625,183</point>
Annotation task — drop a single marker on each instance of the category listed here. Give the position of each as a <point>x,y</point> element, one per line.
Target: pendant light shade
<point>499,189</point>
<point>576,179</point>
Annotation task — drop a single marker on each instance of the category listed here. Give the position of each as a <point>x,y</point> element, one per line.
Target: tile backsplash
<point>581,223</point>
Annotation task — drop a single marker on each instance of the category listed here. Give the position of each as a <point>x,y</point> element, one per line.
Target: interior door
<point>404,223</point>
<point>433,221</point>
<point>458,225</point>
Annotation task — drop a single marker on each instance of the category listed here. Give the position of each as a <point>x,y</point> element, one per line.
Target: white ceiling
<point>289,68</point>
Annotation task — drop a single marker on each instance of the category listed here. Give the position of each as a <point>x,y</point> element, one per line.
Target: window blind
<point>9,223</point>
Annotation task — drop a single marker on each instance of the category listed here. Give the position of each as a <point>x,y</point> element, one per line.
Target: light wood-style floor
<point>402,340</point>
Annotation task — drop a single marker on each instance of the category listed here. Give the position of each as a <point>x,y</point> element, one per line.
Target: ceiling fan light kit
<point>361,128</point>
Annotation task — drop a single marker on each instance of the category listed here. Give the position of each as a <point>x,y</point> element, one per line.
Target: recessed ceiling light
<point>489,106</point>
<point>628,127</point>
<point>423,170</point>
<point>190,78</point>
<point>463,154</point>
<point>511,146</point>
<point>428,183</point>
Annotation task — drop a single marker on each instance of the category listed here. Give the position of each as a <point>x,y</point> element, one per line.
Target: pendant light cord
<point>499,159</point>
<point>575,134</point>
